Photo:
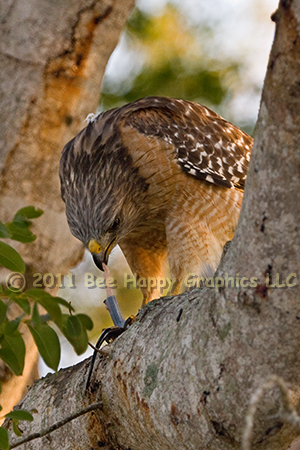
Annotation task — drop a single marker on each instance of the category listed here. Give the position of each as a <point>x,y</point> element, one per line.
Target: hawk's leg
<point>109,334</point>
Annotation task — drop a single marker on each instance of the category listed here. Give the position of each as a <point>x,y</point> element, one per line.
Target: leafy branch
<point>33,304</point>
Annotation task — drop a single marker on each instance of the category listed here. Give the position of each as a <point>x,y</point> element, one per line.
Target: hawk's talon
<point>108,335</point>
<point>129,321</point>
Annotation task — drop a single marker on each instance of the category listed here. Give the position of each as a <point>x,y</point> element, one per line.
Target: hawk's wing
<point>207,146</point>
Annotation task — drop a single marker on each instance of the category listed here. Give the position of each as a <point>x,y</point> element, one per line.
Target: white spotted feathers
<point>207,146</point>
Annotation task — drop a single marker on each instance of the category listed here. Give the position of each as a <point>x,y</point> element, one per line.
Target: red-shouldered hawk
<point>160,177</point>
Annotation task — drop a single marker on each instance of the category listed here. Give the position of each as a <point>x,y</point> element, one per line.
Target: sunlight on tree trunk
<point>183,374</point>
<point>53,56</point>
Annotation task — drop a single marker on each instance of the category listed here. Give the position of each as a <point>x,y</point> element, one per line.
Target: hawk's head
<point>103,192</point>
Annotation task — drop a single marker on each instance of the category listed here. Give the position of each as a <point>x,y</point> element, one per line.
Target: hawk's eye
<point>115,225</point>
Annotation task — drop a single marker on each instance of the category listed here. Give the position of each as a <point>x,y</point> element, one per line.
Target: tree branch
<point>286,412</point>
<point>57,425</point>
<point>52,56</point>
<point>183,374</point>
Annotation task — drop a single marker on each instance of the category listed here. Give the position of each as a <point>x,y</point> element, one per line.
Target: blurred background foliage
<point>186,52</point>
<point>173,64</point>
<point>214,53</point>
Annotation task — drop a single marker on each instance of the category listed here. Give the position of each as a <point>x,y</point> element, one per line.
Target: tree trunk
<point>52,56</point>
<point>183,374</point>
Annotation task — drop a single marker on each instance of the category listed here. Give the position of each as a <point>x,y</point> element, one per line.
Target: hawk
<point>160,177</point>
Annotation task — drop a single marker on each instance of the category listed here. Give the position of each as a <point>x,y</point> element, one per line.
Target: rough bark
<point>52,56</point>
<point>182,375</point>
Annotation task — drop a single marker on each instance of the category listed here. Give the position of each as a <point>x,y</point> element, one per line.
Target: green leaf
<point>10,258</point>
<point>4,445</point>
<point>76,334</point>
<point>46,301</point>
<point>20,222</point>
<point>13,352</point>
<point>35,315</point>
<point>47,343</point>
<point>86,321</point>
<point>20,415</point>
<point>74,326</point>
<point>20,231</point>
<point>19,227</point>
<point>11,360</point>
<point>22,301</point>
<point>12,326</point>
<point>4,232</point>
<point>16,428</point>
<point>29,212</point>
<point>3,309</point>
<point>64,302</point>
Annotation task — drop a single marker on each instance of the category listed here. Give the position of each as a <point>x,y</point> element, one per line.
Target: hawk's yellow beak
<point>99,254</point>
<point>94,247</point>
